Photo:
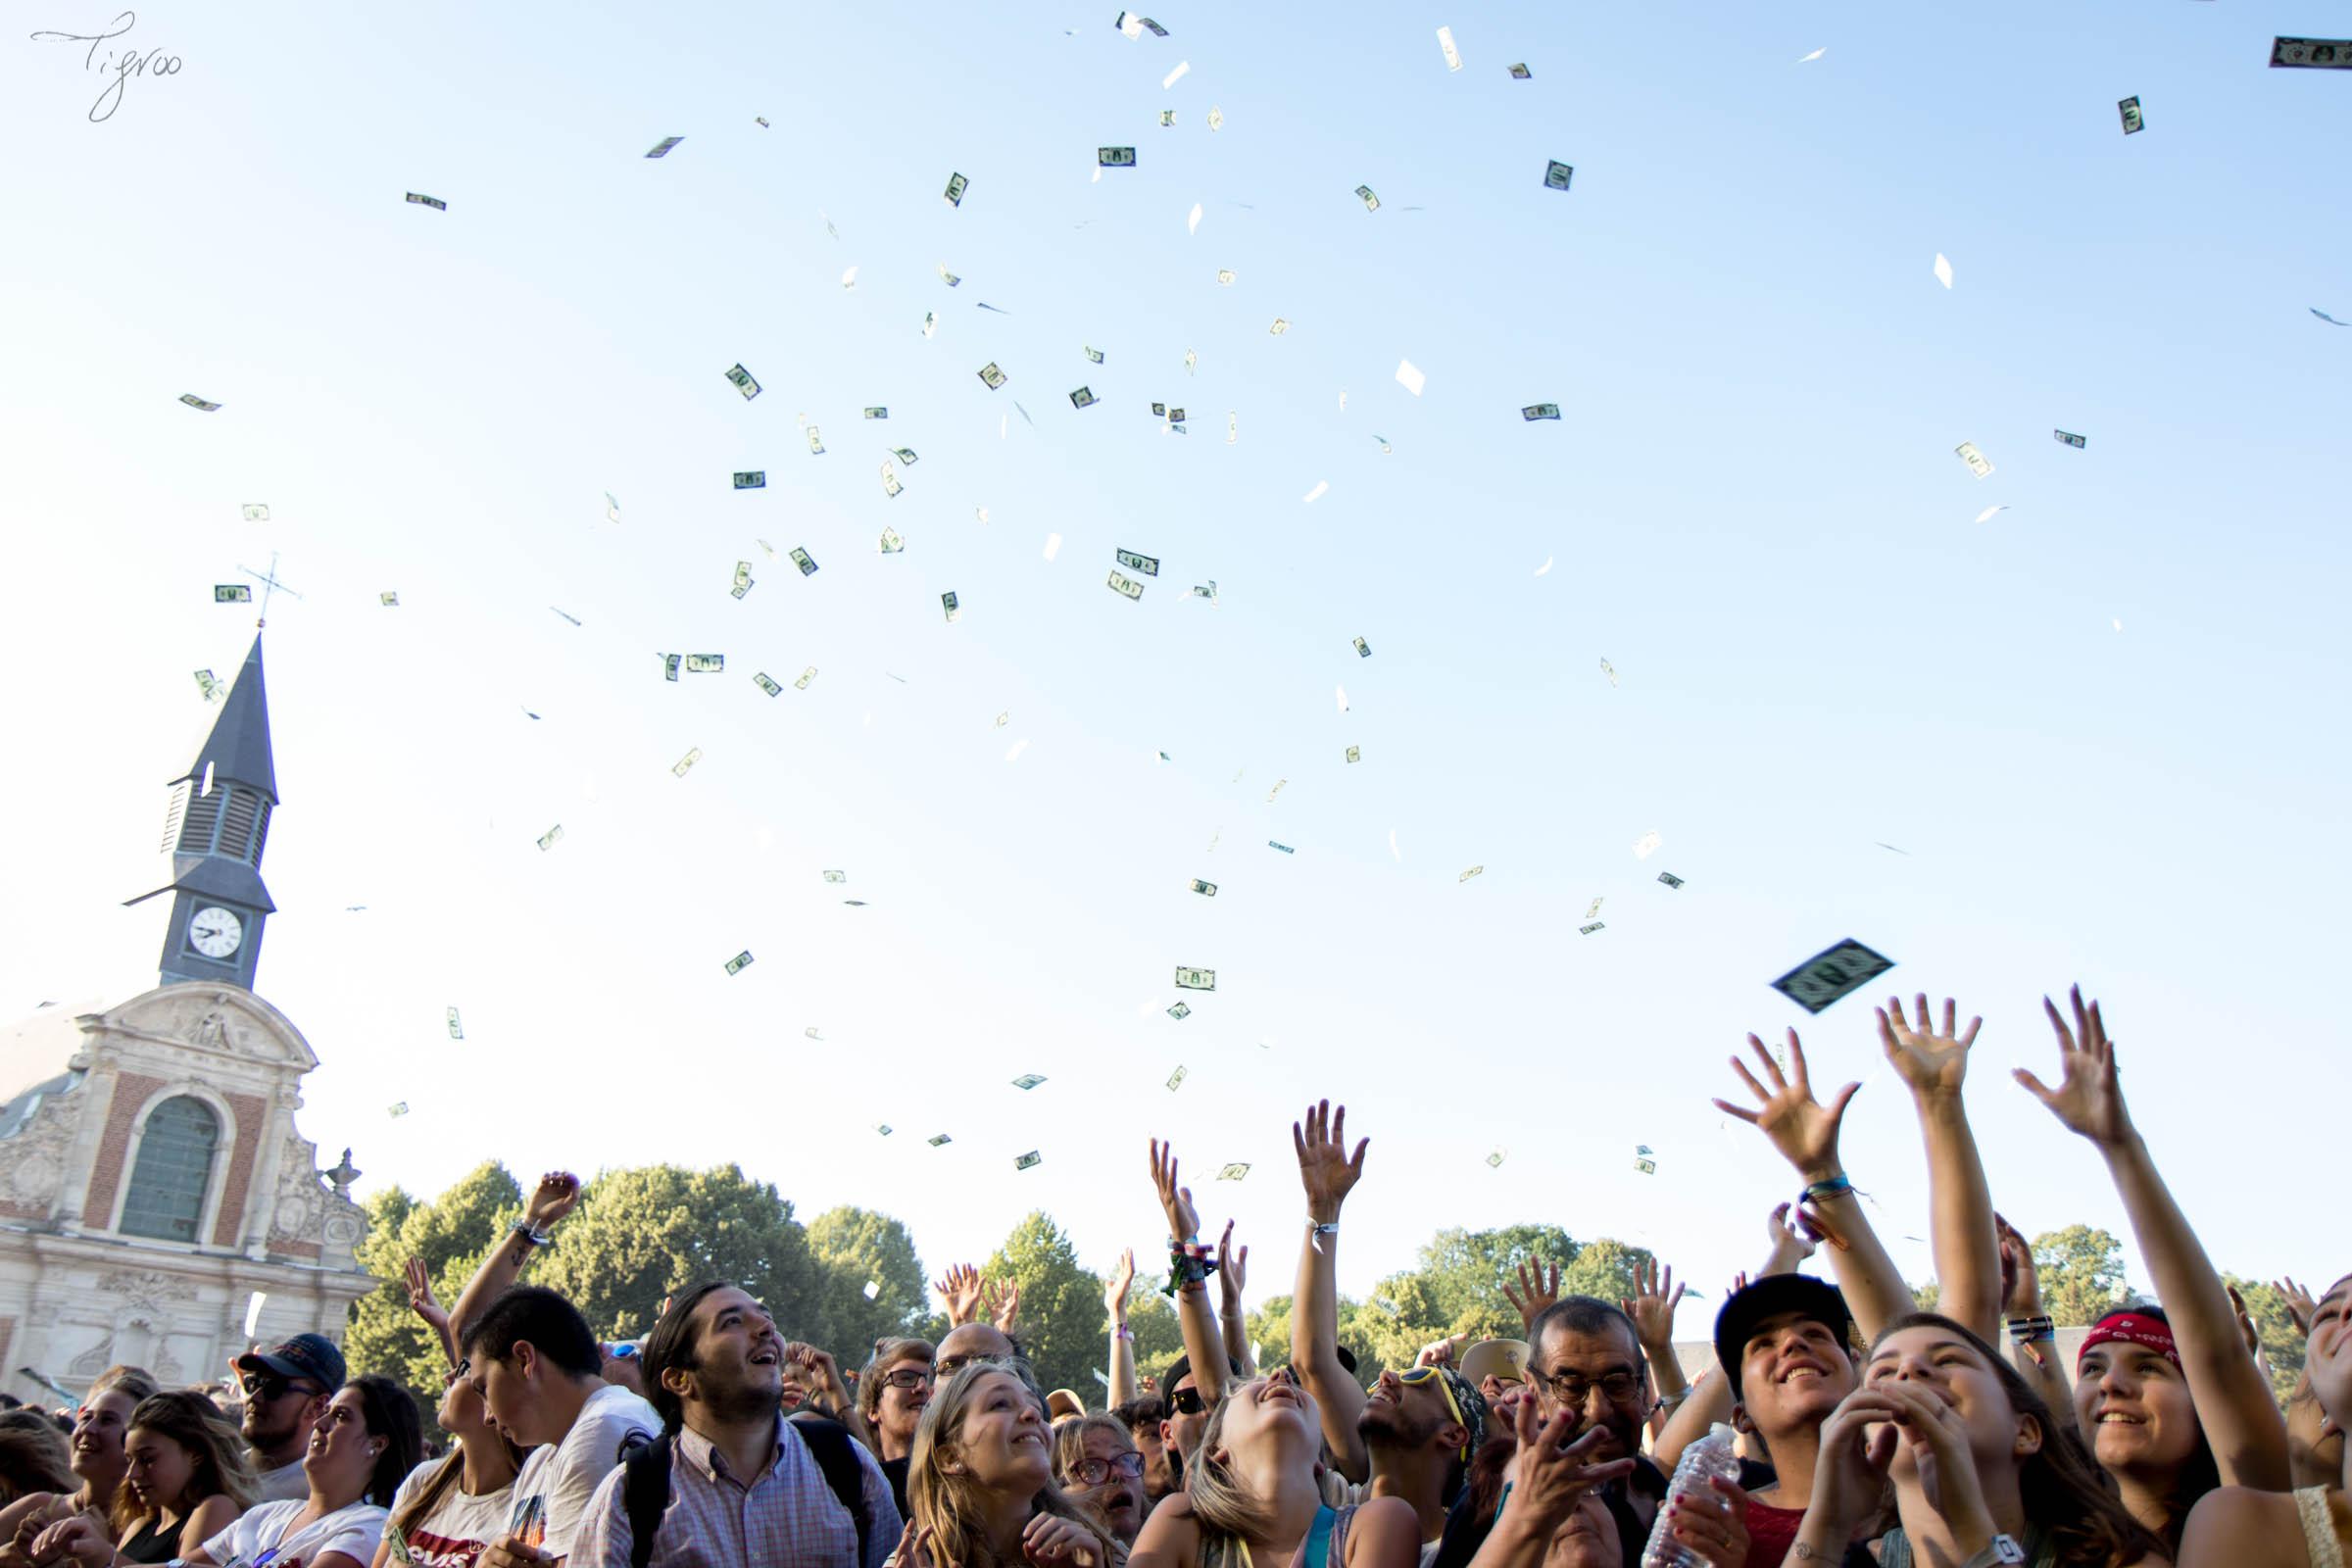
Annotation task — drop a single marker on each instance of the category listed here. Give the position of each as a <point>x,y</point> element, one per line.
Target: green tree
<point>2283,1342</point>
<point>1062,1320</point>
<point>1603,1268</point>
<point>1158,1336</point>
<point>451,1234</point>
<point>2081,1273</point>
<point>853,1248</point>
<point>644,1234</point>
<point>1926,1297</point>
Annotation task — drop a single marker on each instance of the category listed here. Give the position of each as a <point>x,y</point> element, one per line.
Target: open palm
<point>1801,1127</point>
<point>1931,1062</point>
<point>2090,1097</point>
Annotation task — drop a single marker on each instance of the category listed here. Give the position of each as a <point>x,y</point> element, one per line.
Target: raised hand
<point>1713,1527</point>
<point>1004,1305</point>
<point>1053,1542</point>
<point>1324,1168</point>
<point>1931,1062</point>
<point>557,1195</point>
<point>1801,1127</point>
<point>420,1296</point>
<point>1123,1280</point>
<point>1535,1291</point>
<point>2021,1282</point>
<point>1441,1352</point>
<point>2299,1303</point>
<point>2089,1099</point>
<point>2245,1322</point>
<point>1792,1241</point>
<point>1651,1307</point>
<point>1233,1269</point>
<point>1552,1475</point>
<point>1176,1201</point>
<point>1936,1433</point>
<point>960,1287</point>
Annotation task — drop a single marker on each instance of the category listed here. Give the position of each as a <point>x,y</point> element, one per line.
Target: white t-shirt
<point>459,1527</point>
<point>565,1475</point>
<point>353,1531</point>
<point>286,1482</point>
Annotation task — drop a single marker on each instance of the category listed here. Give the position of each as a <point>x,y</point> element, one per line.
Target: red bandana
<point>2132,1328</point>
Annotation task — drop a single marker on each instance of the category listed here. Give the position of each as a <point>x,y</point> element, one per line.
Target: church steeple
<point>214,830</point>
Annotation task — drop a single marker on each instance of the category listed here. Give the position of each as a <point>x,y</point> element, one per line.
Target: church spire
<point>214,830</point>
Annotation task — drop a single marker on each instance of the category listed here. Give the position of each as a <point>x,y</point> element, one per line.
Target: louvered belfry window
<point>238,823</point>
<point>203,814</point>
<point>174,812</point>
<point>173,1171</point>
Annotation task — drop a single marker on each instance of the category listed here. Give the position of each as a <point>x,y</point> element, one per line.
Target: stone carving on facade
<point>210,1032</point>
<point>94,1360</point>
<point>146,1290</point>
<point>301,1200</point>
<point>32,1163</point>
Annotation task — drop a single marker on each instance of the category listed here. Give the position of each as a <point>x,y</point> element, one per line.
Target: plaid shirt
<point>784,1517</point>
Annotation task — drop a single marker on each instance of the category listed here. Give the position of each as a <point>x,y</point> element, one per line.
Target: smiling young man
<point>1782,1345</point>
<point>735,1483</point>
<point>540,1374</point>
<point>286,1393</point>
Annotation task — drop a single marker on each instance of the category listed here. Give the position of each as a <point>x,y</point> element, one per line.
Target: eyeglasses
<point>948,1366</point>
<point>1187,1402</point>
<point>1573,1388</point>
<point>905,1377</point>
<point>1094,1472</point>
<point>269,1386</point>
<point>1414,1377</point>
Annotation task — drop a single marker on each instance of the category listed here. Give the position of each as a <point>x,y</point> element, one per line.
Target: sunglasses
<point>1094,1472</point>
<point>1187,1402</point>
<point>1414,1377</point>
<point>269,1386</point>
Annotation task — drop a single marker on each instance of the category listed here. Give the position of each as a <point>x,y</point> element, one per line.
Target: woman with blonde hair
<point>1097,1462</point>
<point>981,1480</point>
<point>99,1427</point>
<point>1252,1497</point>
<point>186,1477</point>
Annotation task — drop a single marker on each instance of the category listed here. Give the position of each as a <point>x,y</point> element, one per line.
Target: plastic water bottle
<point>1715,1454</point>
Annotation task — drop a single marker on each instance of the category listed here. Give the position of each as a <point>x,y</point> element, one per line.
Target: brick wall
<point>131,1091</point>
<point>251,1112</point>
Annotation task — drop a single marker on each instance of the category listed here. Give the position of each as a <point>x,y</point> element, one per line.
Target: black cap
<point>1773,1295</point>
<point>311,1356</point>
<point>1181,1368</point>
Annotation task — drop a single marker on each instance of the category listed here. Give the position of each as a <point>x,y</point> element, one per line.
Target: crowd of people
<point>1840,1423</point>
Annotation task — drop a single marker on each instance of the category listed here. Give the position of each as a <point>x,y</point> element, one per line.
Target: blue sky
<point>1751,506</point>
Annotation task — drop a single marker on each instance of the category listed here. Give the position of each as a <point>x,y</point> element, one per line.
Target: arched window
<point>173,1171</point>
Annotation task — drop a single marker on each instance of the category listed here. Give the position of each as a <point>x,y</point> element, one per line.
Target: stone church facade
<point>152,1181</point>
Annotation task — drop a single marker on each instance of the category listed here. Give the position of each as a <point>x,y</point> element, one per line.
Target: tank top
<point>2318,1528</point>
<point>152,1542</point>
<point>1325,1545</point>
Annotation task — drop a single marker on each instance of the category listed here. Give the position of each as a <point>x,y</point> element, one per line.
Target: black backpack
<point>645,1486</point>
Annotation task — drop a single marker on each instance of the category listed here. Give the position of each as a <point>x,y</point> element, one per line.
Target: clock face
<point>214,932</point>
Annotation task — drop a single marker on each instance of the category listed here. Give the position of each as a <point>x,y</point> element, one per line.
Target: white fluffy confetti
<point>1318,493</point>
<point>1943,270</point>
<point>1547,566</point>
<point>1343,699</point>
<point>1647,845</point>
<point>1392,848</point>
<point>1053,546</point>
<point>1409,376</point>
<point>1192,224</point>
<point>1183,69</point>
<point>848,279</point>
<point>1990,512</point>
<point>1815,55</point>
<point>1018,747</point>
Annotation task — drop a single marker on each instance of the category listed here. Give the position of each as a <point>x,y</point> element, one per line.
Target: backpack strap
<point>644,1491</point>
<point>836,1454</point>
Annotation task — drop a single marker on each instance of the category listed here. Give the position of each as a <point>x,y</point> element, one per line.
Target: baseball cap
<point>311,1356</point>
<point>1063,1401</point>
<point>1497,1358</point>
<point>1773,1295</point>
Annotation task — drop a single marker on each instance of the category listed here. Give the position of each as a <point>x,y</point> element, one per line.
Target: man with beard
<point>732,1482</point>
<point>286,1393</point>
<point>1414,1435</point>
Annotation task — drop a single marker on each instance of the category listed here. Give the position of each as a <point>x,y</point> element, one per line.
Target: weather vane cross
<point>269,584</point>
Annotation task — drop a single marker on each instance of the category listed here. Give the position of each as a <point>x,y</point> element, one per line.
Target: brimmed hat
<point>1500,1358</point>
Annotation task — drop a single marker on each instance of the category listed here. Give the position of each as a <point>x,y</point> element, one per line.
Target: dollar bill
<point>706,663</point>
<point>1084,397</point>
<point>816,441</point>
<point>1206,889</point>
<point>1004,718</point>
<point>1467,875</point>
<point>566,615</point>
<point>551,837</point>
<point>1557,175</point>
<point>1124,584</point>
<point>1587,930</point>
<point>1225,276</point>
<point>1206,590</point>
<point>744,382</point>
<point>692,756</point>
<point>1646,1166</point>
<point>1496,1158</point>
<point>877,413</point>
<point>1276,790</point>
<point>198,404</point>
<point>956,186</point>
<point>1180,1012</point>
<point>762,680</point>
<point>1167,116</point>
<point>1647,845</point>
<point>990,376</point>
<point>1363,649</point>
<point>939,1140</point>
<point>750,479</point>
<point>662,148</point>
<point>1611,670</point>
<point>1280,327</point>
<point>1131,24</point>
<point>1093,353</point>
<point>930,323</point>
<point>892,542</point>
<point>1233,1172</point>
<point>1371,202</point>
<point>947,277</point>
<point>905,456</point>
<point>1024,1161</point>
<point>1233,426</point>
<point>1175,416</point>
<point>390,600</point>
<point>1028,1080</point>
<point>2129,108</point>
<point>761,121</point>
<point>837,876</point>
<point>890,480</point>
<point>1454,56</point>
<point>743,579</point>
<point>670,663</point>
<point>611,508</point>
<point>1196,979</point>
<point>1977,464</point>
<point>206,684</point>
<point>1540,410</point>
<point>456,1030</point>
<point>950,606</point>
<point>2321,54</point>
<point>232,593</point>
<point>400,1109</point>
<point>807,675</point>
<point>1148,565</point>
<point>2069,437</point>
<point>1284,847</point>
<point>1592,910</point>
<point>418,199</point>
<point>1114,156</point>
<point>1832,973</point>
<point>802,560</point>
<point>255,512</point>
<point>1670,879</point>
<point>738,963</point>
<point>1520,73</point>
<point>1355,753</point>
<point>1216,118</point>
